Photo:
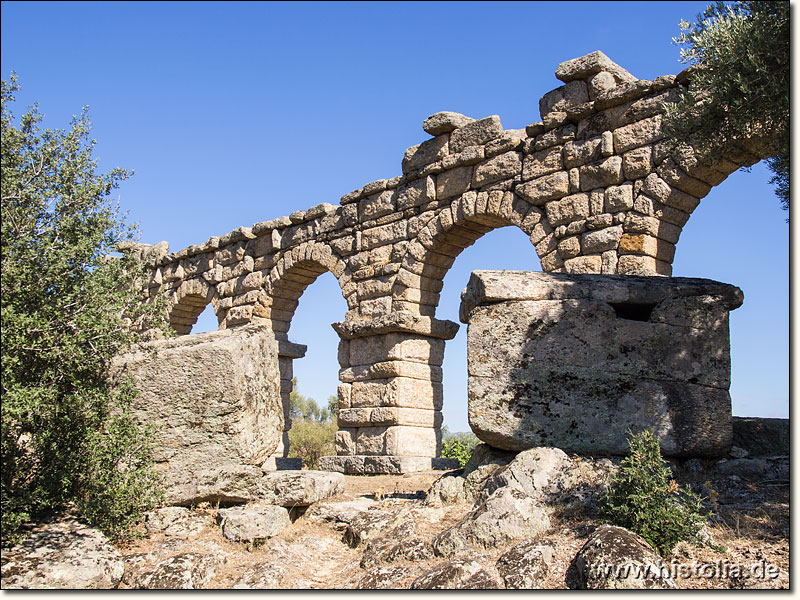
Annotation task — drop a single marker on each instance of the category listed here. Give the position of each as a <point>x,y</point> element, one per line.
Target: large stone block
<point>401,392</point>
<point>576,361</point>
<point>212,398</point>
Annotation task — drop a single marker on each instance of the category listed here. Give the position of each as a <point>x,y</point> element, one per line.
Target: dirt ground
<point>750,527</point>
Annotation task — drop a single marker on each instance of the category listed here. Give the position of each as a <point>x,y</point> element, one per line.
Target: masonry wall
<point>592,184</point>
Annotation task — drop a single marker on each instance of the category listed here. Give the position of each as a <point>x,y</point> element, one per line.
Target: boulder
<point>338,514</point>
<point>175,522</point>
<point>261,576</point>
<point>382,578</point>
<point>213,399</point>
<point>299,488</point>
<point>615,558</point>
<point>64,554</point>
<point>525,565</point>
<point>539,472</point>
<point>459,574</point>
<point>185,571</point>
<point>253,523</point>
<point>508,514</point>
<point>577,361</point>
<point>761,436</point>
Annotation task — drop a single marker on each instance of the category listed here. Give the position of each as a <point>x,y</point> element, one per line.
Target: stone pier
<point>390,398</point>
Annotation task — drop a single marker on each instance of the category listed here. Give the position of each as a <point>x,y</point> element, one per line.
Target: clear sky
<point>233,113</point>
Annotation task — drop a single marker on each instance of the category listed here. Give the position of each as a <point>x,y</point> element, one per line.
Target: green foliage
<point>644,498</point>
<point>313,427</point>
<point>458,445</point>
<point>65,434</point>
<point>737,101</point>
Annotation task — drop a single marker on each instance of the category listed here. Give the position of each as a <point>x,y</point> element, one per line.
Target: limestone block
<point>584,264</point>
<point>299,488</point>
<point>577,153</point>
<point>584,67</point>
<point>453,182</point>
<point>345,441</point>
<point>637,163</point>
<point>412,441</point>
<point>632,264</point>
<point>369,417</point>
<point>564,98</point>
<point>601,239</point>
<point>396,346</point>
<point>619,197</point>
<point>401,392</point>
<point>608,172</point>
<point>640,133</point>
<point>213,398</point>
<point>445,122</point>
<point>416,193</point>
<point>384,234</point>
<point>503,166</point>
<point>540,190</point>
<point>542,163</point>
<point>568,209</point>
<point>613,353</point>
<point>475,133</point>
<point>425,153</point>
<point>253,522</point>
<point>377,205</point>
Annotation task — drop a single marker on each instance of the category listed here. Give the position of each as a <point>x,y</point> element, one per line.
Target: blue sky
<point>233,113</point>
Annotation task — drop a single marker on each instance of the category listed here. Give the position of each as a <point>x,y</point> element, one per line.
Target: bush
<point>458,445</point>
<point>643,498</point>
<point>309,440</point>
<point>66,438</point>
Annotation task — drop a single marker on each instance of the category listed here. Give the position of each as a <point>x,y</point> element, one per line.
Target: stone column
<point>287,353</point>
<point>390,398</point>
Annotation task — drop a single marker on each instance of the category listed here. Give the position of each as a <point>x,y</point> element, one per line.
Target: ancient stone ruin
<point>577,361</point>
<point>593,184</point>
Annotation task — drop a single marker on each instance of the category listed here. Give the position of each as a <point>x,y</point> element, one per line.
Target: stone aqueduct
<point>593,185</point>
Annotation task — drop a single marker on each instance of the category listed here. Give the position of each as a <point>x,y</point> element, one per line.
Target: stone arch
<point>289,278</point>
<point>188,301</point>
<point>454,228</point>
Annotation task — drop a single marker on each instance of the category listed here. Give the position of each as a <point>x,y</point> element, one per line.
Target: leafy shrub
<point>65,438</point>
<point>643,498</point>
<point>458,445</point>
<point>310,440</point>
<point>313,427</point>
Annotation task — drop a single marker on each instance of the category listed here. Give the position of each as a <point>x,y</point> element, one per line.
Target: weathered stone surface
<point>253,522</point>
<point>339,514</point>
<point>506,515</point>
<point>615,558</point>
<point>591,64</point>
<point>525,565</point>
<point>175,522</point>
<point>214,400</point>
<point>476,133</point>
<point>425,153</point>
<point>261,576</point>
<point>382,578</point>
<point>760,436</point>
<point>62,554</point>
<point>299,488</point>
<point>538,472</point>
<point>186,571</point>
<point>445,122</point>
<point>594,163</point>
<point>578,372</point>
<point>459,574</point>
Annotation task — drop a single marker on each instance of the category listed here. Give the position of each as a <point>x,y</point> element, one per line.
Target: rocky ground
<point>521,524</point>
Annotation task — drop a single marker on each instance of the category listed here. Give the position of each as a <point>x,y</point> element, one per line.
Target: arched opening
<point>738,235</point>
<point>314,401</point>
<point>303,383</point>
<point>505,248</point>
<point>206,321</point>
